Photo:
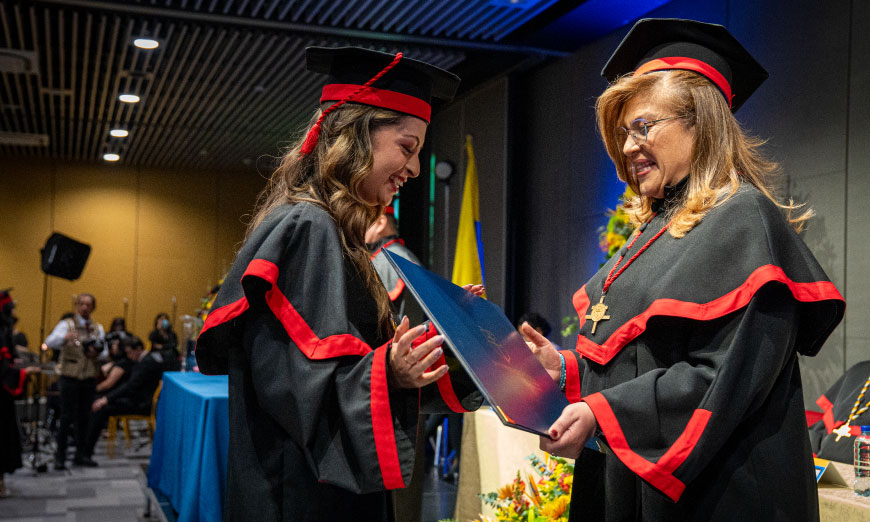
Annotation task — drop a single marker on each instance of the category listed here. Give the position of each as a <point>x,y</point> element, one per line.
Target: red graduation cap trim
<point>688,64</point>
<point>379,98</point>
<point>314,132</point>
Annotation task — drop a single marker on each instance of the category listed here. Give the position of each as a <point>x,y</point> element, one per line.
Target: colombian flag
<point>468,260</point>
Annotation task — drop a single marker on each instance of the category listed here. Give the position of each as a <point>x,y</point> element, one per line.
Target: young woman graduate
<point>686,364</point>
<point>324,391</point>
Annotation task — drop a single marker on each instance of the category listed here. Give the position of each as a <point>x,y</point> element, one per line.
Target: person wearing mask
<point>325,392</point>
<point>78,339</point>
<point>164,340</point>
<point>686,365</point>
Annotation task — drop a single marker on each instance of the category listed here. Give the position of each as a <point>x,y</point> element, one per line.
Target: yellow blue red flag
<point>468,260</point>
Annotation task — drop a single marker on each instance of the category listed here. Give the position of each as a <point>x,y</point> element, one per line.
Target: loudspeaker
<point>64,257</point>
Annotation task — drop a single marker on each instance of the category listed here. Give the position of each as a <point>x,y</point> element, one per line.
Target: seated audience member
<point>117,370</point>
<point>164,340</point>
<point>132,397</point>
<point>845,409</point>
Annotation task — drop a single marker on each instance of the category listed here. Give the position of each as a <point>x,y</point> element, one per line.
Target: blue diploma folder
<point>489,348</point>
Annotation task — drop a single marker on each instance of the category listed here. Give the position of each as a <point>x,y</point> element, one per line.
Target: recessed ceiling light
<point>145,43</point>
<point>129,98</point>
<point>119,133</point>
<point>111,156</point>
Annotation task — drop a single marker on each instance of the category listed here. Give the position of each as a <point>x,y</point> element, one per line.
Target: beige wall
<point>154,234</point>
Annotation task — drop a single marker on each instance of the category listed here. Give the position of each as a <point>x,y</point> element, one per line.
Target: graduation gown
<point>316,431</point>
<point>12,381</point>
<point>694,379</point>
<point>836,404</point>
<point>403,303</point>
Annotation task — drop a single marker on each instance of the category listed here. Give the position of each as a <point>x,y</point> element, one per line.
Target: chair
<point>125,423</point>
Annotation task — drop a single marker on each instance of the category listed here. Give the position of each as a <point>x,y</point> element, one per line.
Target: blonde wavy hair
<point>330,177</point>
<point>723,155</point>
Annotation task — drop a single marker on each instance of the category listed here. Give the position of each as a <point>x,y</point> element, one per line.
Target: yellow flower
<point>506,491</point>
<point>555,508</point>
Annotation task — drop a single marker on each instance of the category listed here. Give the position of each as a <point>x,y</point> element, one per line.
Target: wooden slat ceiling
<point>227,84</point>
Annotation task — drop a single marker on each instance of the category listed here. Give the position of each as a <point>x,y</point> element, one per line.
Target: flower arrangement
<point>612,236</point>
<point>544,498</point>
<point>208,301</point>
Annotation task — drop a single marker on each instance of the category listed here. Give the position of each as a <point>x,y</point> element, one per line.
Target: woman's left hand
<point>408,366</point>
<point>570,431</point>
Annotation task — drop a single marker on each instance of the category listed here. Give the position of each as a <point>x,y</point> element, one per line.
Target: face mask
<point>165,324</point>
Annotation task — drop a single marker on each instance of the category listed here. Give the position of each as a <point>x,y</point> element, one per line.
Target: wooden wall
<point>155,235</point>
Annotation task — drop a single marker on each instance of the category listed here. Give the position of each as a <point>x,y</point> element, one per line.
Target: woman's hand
<point>570,431</point>
<point>544,351</point>
<point>477,290</point>
<point>407,366</point>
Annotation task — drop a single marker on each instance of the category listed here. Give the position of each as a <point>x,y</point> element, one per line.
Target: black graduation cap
<point>379,79</point>
<point>656,44</point>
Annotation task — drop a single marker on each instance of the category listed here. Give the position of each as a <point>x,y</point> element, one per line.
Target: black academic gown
<point>694,379</point>
<point>12,381</point>
<point>403,303</point>
<point>316,431</point>
<point>836,404</point>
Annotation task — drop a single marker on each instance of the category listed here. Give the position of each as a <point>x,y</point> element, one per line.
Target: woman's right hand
<point>544,351</point>
<point>408,366</point>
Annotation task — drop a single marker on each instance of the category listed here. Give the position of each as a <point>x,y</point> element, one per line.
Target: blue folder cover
<point>489,348</point>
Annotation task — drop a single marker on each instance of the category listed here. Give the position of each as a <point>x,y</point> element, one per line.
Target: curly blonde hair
<point>723,155</point>
<point>330,177</point>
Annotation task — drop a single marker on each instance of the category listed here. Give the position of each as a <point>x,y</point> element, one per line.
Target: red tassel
<point>311,139</point>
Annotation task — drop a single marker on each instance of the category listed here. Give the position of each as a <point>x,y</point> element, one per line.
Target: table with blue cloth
<point>191,442</point>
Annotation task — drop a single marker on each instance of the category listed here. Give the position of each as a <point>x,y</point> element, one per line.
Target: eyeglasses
<point>639,129</point>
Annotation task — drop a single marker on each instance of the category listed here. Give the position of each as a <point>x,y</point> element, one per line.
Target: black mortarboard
<point>379,79</point>
<point>656,44</point>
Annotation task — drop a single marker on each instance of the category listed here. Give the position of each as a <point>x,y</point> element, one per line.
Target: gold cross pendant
<point>597,314</point>
<point>843,431</point>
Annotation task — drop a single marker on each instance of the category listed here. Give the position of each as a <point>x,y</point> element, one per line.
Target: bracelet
<point>563,374</point>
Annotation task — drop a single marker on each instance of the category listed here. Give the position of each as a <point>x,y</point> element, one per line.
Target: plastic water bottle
<point>862,462</point>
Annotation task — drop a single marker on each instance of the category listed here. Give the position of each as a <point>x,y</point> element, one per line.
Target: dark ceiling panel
<point>227,85</point>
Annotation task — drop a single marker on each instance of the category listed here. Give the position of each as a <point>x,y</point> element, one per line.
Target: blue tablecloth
<point>191,442</point>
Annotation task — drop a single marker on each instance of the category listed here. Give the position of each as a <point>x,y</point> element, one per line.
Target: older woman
<point>324,391</point>
<point>686,364</point>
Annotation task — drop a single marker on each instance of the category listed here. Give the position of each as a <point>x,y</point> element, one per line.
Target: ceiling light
<point>145,43</point>
<point>129,98</point>
<point>118,133</point>
<point>111,156</point>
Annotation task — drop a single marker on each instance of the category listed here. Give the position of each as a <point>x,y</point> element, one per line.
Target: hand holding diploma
<point>570,432</point>
<point>408,365</point>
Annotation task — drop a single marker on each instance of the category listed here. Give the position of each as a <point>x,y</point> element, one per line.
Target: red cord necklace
<point>599,310</point>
